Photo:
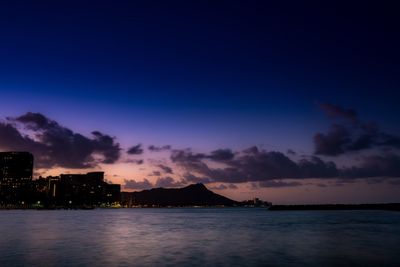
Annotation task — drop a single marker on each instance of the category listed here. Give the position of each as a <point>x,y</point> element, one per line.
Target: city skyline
<point>293,104</point>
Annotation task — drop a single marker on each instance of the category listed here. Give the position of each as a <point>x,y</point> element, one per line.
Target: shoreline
<point>306,207</point>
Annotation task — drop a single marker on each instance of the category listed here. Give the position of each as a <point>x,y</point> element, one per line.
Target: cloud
<point>224,187</point>
<point>186,155</point>
<point>55,145</point>
<point>153,148</point>
<point>278,183</point>
<point>291,152</point>
<point>314,167</point>
<point>387,165</point>
<point>355,136</point>
<point>219,187</point>
<point>12,139</point>
<point>191,178</point>
<point>216,155</point>
<point>135,161</point>
<point>251,150</point>
<point>272,168</point>
<point>105,145</point>
<point>252,165</point>
<point>232,186</point>
<point>141,185</point>
<point>221,155</point>
<point>135,150</point>
<point>165,168</point>
<point>155,173</point>
<point>167,182</point>
<point>335,112</point>
<point>36,121</point>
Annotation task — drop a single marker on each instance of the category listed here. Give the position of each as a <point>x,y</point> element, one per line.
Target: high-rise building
<point>85,189</point>
<point>16,170</point>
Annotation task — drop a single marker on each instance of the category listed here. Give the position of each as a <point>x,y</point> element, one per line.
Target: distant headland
<point>194,195</point>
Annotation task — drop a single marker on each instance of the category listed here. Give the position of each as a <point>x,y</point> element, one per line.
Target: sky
<point>290,102</point>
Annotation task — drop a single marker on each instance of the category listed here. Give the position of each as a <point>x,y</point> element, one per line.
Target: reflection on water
<point>199,237</point>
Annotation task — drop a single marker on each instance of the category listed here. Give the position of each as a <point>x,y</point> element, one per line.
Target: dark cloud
<point>251,150</point>
<point>394,181</point>
<point>291,152</point>
<point>155,173</point>
<point>12,139</point>
<point>333,143</point>
<point>167,182</point>
<point>387,165</point>
<point>165,169</point>
<point>186,155</point>
<point>253,166</point>
<point>272,169</point>
<point>219,187</point>
<point>224,187</point>
<point>356,136</point>
<point>221,155</point>
<point>106,145</point>
<point>232,186</point>
<point>55,145</point>
<point>278,183</point>
<point>135,161</point>
<point>135,150</point>
<point>390,141</point>
<point>141,185</point>
<point>35,121</point>
<point>335,112</point>
<point>153,148</point>
<point>191,178</point>
<point>216,155</point>
<point>314,167</point>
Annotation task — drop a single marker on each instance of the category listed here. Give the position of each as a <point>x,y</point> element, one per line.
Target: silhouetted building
<point>16,170</point>
<point>85,189</point>
<point>112,193</point>
<point>18,190</point>
<point>52,184</point>
<point>75,191</point>
<point>256,202</point>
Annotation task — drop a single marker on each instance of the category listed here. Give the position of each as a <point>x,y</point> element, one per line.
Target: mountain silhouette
<point>192,195</point>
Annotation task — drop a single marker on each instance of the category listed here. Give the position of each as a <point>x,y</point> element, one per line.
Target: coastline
<point>306,207</point>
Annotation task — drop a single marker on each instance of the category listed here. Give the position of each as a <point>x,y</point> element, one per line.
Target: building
<point>17,189</point>
<point>16,169</point>
<point>84,189</point>
<point>75,191</point>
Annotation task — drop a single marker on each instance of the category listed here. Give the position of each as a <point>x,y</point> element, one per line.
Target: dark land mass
<point>388,206</point>
<point>192,195</point>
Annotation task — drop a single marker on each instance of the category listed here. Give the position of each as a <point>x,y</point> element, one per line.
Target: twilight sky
<point>289,102</point>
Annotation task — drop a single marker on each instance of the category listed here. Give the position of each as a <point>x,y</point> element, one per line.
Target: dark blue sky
<point>201,74</point>
<point>204,54</point>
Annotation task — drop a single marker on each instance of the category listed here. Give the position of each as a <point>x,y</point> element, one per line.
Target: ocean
<point>199,237</point>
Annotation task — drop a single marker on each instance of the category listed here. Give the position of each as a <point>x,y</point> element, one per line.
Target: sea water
<point>199,237</point>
